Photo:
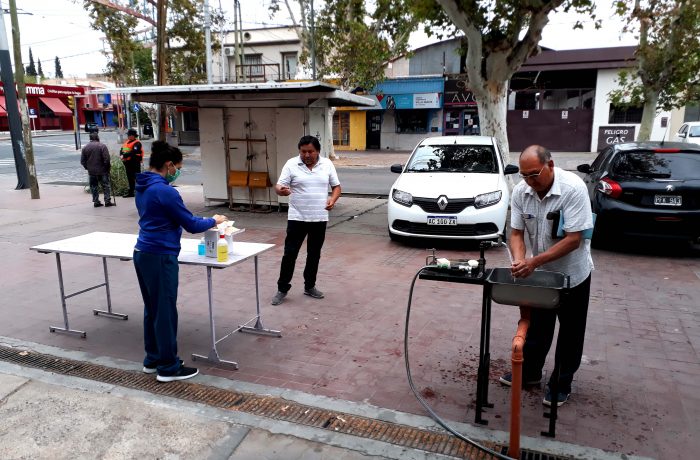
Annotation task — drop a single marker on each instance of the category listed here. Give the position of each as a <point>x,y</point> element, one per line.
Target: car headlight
<point>487,199</point>
<point>402,197</point>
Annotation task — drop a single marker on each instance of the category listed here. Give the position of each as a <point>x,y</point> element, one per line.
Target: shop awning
<point>56,106</point>
<point>3,112</point>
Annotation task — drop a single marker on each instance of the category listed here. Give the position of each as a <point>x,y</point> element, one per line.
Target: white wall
<point>606,82</point>
<point>213,154</point>
<point>392,140</point>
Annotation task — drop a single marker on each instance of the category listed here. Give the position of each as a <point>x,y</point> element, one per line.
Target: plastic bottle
<point>201,247</point>
<point>221,249</point>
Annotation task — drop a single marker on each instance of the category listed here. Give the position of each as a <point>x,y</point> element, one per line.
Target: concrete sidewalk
<point>637,392</point>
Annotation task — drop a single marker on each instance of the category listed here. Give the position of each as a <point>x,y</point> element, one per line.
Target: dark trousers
<point>131,171</point>
<point>103,180</point>
<point>296,232</point>
<point>158,280</point>
<point>572,314</point>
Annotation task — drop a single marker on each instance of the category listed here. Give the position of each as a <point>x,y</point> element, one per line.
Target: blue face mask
<point>173,177</point>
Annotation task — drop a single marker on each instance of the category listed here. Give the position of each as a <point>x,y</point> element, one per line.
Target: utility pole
<point>22,92</point>
<point>236,60</point>
<point>13,117</point>
<point>313,43</point>
<point>162,77</point>
<point>207,39</point>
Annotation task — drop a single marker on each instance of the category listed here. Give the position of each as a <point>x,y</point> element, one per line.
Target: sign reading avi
<point>609,135</point>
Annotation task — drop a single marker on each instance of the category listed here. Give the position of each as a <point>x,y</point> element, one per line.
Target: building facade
<point>48,106</point>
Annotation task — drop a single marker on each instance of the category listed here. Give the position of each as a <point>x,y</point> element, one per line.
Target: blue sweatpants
<point>158,280</point>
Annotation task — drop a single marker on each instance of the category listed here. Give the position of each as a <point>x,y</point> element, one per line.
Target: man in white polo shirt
<point>545,191</point>
<point>305,180</point>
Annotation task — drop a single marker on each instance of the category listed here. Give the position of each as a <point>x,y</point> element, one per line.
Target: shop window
<point>341,128</point>
<point>253,65</point>
<point>692,113</point>
<point>412,121</point>
<point>625,114</point>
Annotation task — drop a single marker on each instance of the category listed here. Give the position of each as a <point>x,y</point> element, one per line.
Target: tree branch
<point>126,10</point>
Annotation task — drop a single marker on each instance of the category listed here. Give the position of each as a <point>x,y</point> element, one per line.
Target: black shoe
<point>97,204</point>
<point>507,380</point>
<point>128,195</point>
<point>108,204</point>
<point>561,397</point>
<point>278,298</point>
<point>313,292</point>
<point>182,374</point>
<point>153,368</point>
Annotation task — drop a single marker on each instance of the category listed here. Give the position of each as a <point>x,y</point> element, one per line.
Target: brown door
<point>556,129</point>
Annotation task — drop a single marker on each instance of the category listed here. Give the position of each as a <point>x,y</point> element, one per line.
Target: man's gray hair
<point>94,137</point>
<point>543,153</point>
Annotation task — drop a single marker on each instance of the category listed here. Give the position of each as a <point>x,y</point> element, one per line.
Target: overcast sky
<point>62,28</point>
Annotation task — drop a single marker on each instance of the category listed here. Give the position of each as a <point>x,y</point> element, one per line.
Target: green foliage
<point>131,61</point>
<point>668,56</point>
<point>40,71</point>
<point>354,43</point>
<point>31,68</point>
<point>117,178</point>
<point>58,71</point>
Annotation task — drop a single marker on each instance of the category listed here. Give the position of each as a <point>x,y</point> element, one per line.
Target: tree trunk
<point>651,98</point>
<point>492,103</point>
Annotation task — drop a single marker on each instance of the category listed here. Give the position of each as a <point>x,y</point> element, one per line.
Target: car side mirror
<point>511,169</point>
<point>397,169</point>
<point>585,168</point>
<point>681,135</point>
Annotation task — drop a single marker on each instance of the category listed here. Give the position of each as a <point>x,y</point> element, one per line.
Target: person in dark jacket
<point>162,216</point>
<point>131,155</point>
<point>95,158</point>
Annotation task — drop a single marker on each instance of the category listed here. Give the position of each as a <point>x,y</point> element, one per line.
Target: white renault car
<point>452,187</point>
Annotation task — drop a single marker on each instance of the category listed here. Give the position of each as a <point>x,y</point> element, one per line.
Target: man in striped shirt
<point>305,180</point>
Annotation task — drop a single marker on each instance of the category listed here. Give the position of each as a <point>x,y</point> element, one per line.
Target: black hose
<point>423,403</point>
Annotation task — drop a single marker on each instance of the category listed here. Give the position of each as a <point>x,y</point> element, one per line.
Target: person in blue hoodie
<point>162,216</point>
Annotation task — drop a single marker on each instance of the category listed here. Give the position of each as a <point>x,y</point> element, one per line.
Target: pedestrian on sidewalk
<point>305,180</point>
<point>545,192</point>
<point>131,155</point>
<point>162,216</point>
<point>95,159</point>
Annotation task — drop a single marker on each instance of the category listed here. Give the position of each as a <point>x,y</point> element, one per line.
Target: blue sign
<point>32,111</point>
<point>136,107</point>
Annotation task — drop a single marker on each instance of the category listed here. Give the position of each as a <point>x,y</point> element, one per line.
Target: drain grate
<point>264,406</point>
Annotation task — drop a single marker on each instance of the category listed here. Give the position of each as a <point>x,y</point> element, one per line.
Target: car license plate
<point>442,220</point>
<point>668,200</point>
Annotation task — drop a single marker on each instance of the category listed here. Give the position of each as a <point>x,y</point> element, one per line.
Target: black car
<point>91,127</point>
<point>647,189</point>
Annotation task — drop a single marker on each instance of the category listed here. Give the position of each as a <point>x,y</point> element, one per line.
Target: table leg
<point>213,356</point>
<point>109,313</point>
<point>258,328</point>
<point>66,329</point>
<point>482,375</point>
<point>554,391</point>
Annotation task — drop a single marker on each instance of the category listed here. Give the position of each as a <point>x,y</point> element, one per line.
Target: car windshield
<point>658,165</point>
<point>454,158</point>
<point>694,131</point>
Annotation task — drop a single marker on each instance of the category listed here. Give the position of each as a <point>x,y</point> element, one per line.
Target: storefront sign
<point>457,93</point>
<point>426,101</point>
<point>50,90</point>
<point>609,135</point>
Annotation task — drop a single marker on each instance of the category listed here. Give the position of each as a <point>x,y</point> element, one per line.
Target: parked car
<point>649,189</point>
<point>689,132</point>
<point>91,127</point>
<point>451,187</point>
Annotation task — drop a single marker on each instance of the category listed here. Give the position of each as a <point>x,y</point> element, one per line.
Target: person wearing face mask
<point>162,216</point>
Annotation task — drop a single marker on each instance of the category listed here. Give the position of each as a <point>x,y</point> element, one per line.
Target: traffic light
<point>71,102</point>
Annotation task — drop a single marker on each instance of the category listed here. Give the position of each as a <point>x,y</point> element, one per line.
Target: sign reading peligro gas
<point>609,135</point>
<point>50,91</point>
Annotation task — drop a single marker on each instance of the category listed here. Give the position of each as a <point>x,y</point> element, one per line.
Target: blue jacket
<point>163,215</point>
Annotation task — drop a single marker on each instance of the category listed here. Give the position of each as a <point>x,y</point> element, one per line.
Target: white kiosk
<point>248,131</point>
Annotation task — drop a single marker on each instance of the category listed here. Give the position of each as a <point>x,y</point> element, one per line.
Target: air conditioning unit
<point>229,51</point>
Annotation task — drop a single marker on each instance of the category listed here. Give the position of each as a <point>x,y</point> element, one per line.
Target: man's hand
<point>330,204</point>
<point>219,218</point>
<point>523,268</point>
<point>283,190</point>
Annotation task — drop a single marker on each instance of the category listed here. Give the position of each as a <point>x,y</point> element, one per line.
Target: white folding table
<point>121,246</point>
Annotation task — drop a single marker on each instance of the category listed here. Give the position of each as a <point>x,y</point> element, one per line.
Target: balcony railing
<point>255,73</point>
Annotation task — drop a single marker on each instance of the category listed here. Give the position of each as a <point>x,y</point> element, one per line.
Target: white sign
<point>526,114</point>
<point>32,116</point>
<point>564,114</point>
<point>426,101</point>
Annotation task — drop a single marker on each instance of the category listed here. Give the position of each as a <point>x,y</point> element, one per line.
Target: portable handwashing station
<point>542,289</point>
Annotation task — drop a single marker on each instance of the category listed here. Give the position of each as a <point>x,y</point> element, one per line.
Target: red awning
<point>3,112</point>
<point>56,106</point>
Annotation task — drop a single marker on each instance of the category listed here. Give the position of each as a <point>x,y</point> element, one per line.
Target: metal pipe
<point>517,381</point>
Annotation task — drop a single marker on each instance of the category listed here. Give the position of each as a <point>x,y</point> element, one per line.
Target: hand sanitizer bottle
<point>221,249</point>
<point>201,248</point>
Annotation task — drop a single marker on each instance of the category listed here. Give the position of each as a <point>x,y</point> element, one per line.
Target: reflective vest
<point>126,152</point>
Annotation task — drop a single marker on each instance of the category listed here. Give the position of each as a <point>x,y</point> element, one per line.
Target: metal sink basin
<point>542,289</point>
